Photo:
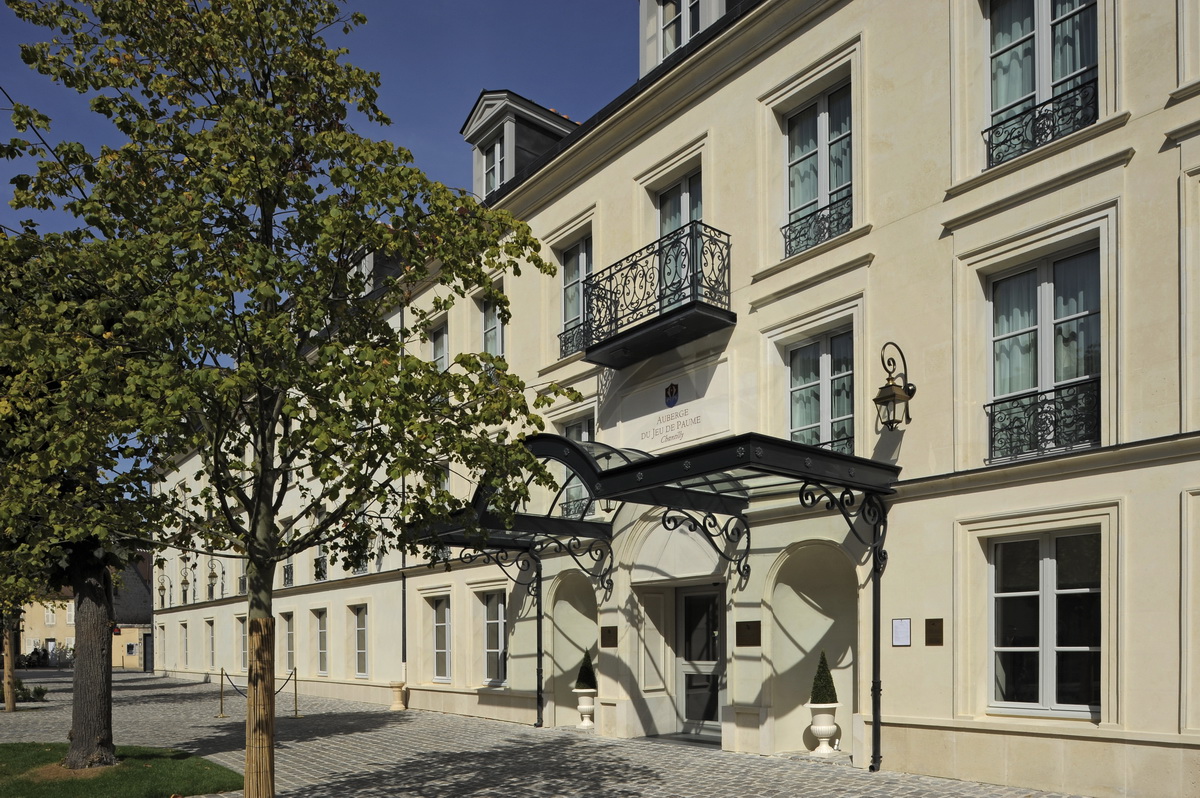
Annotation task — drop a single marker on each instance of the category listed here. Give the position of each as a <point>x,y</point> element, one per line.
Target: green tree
<point>278,274</point>
<point>70,510</point>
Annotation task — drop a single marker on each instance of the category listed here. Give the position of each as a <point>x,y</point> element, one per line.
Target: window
<point>289,573</point>
<point>1046,358</point>
<point>493,330</point>
<point>678,207</point>
<point>210,642</point>
<point>819,171</point>
<point>183,645</point>
<point>821,392</point>
<point>1046,627</point>
<point>576,499</point>
<point>244,641</point>
<point>493,165</point>
<point>360,640</point>
<point>289,641</point>
<point>438,345</point>
<point>577,266</point>
<point>320,618</point>
<point>320,564</point>
<point>495,639</point>
<point>71,612</point>
<point>1044,77</point>
<point>51,617</point>
<point>679,21</point>
<point>441,639</point>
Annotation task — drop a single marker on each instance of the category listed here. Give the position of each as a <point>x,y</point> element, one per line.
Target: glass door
<point>678,250</point>
<point>700,671</point>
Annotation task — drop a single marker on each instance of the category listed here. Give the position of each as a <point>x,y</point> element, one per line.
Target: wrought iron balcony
<point>360,567</point>
<point>839,445</point>
<point>288,574</point>
<point>1072,110</point>
<point>575,508</point>
<point>669,293</point>
<point>242,585</point>
<point>818,226</point>
<point>1038,423</point>
<point>320,568</point>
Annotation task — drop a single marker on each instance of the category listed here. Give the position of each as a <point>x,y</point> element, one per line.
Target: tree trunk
<point>260,687</point>
<point>12,629</point>
<point>91,705</point>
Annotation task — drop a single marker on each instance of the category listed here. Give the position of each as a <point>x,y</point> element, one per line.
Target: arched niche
<point>573,620</point>
<point>813,607</point>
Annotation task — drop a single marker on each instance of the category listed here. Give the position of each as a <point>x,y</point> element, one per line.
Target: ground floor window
<point>320,619</point>
<point>289,638</point>
<point>441,638</point>
<point>360,640</point>
<point>1046,622</point>
<point>244,642</point>
<point>495,646</point>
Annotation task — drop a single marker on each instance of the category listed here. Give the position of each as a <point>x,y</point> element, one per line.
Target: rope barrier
<point>231,684</point>
<point>285,682</point>
<point>291,677</point>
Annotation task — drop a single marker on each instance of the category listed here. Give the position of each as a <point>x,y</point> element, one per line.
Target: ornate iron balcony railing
<point>688,265</point>
<point>818,226</point>
<point>288,574</point>
<point>242,585</point>
<point>320,568</point>
<point>1072,110</point>
<point>574,508</point>
<point>1037,423</point>
<point>839,445</point>
<point>359,568</point>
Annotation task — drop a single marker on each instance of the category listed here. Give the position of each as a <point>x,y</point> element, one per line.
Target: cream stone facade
<point>1007,191</point>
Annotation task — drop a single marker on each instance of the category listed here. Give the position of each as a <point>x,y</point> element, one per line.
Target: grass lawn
<point>32,770</point>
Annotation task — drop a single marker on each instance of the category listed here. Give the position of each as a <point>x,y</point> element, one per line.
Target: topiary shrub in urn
<point>585,690</point>
<point>823,703</point>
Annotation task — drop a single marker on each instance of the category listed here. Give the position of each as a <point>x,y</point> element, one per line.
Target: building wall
<point>932,229</point>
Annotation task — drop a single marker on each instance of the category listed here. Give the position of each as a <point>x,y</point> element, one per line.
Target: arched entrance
<point>573,617</point>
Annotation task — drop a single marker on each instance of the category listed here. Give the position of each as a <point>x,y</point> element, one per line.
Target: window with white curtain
<point>244,641</point>
<point>577,265</point>
<point>679,21</point>
<point>321,620</point>
<point>183,645</point>
<point>438,346</point>
<point>495,639</point>
<point>210,642</point>
<point>1046,623</point>
<point>575,495</point>
<point>493,165</point>
<point>1046,357</point>
<point>493,330</point>
<point>819,170</point>
<point>679,250</point>
<point>289,637</point>
<point>360,640</point>
<point>1043,62</point>
<point>821,392</point>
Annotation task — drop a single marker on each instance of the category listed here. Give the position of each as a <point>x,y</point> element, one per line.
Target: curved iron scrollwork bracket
<point>594,557</point>
<point>733,533</point>
<point>868,511</point>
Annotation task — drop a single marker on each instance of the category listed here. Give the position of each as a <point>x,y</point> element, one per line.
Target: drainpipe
<point>876,685</point>
<point>538,609</point>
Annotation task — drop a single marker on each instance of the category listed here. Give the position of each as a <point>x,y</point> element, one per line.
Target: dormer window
<point>493,164</point>
<point>680,21</point>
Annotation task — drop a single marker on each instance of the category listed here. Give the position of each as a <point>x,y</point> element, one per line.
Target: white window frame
<point>581,251</point>
<point>825,385</point>
<point>51,617</point>
<point>495,600</point>
<point>581,430</point>
<point>1043,53</point>
<point>439,346</point>
<point>289,640</point>
<point>321,622</point>
<point>492,324</point>
<point>183,645</point>
<point>210,631</point>
<point>71,612</point>
<point>440,615</point>
<point>361,653</point>
<point>824,142</point>
<point>493,163</point>
<point>1047,646</point>
<point>689,21</point>
<point>244,641</point>
<point>1044,328</point>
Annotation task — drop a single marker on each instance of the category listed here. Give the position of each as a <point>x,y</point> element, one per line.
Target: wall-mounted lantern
<point>896,392</point>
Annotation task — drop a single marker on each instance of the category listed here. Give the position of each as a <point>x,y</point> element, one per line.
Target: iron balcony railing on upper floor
<point>818,226</point>
<point>684,267</point>
<point>1071,110</point>
<point>1040,423</point>
<point>289,572</point>
<point>242,585</point>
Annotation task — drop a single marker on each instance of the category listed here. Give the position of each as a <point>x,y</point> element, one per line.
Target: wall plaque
<point>933,631</point>
<point>748,634</point>
<point>608,637</point>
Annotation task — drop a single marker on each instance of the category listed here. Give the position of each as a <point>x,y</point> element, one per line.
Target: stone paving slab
<point>344,749</point>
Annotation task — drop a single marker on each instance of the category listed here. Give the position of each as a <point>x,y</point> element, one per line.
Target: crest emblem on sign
<point>672,394</point>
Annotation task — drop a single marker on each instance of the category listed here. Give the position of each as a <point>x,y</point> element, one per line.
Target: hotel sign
<point>676,411</point>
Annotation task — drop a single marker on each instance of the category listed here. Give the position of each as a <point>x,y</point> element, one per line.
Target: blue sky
<point>433,58</point>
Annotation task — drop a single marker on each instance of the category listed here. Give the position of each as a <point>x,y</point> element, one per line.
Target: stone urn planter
<point>823,704</point>
<point>585,693</point>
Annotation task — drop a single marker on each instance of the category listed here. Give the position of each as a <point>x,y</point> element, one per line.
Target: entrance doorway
<point>700,660</point>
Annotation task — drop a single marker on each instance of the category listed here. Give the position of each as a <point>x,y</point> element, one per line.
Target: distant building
<point>1007,190</point>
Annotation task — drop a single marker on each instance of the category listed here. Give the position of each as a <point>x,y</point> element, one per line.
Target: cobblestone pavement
<point>343,749</point>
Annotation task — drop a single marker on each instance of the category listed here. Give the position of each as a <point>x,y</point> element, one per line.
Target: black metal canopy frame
<point>705,488</point>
